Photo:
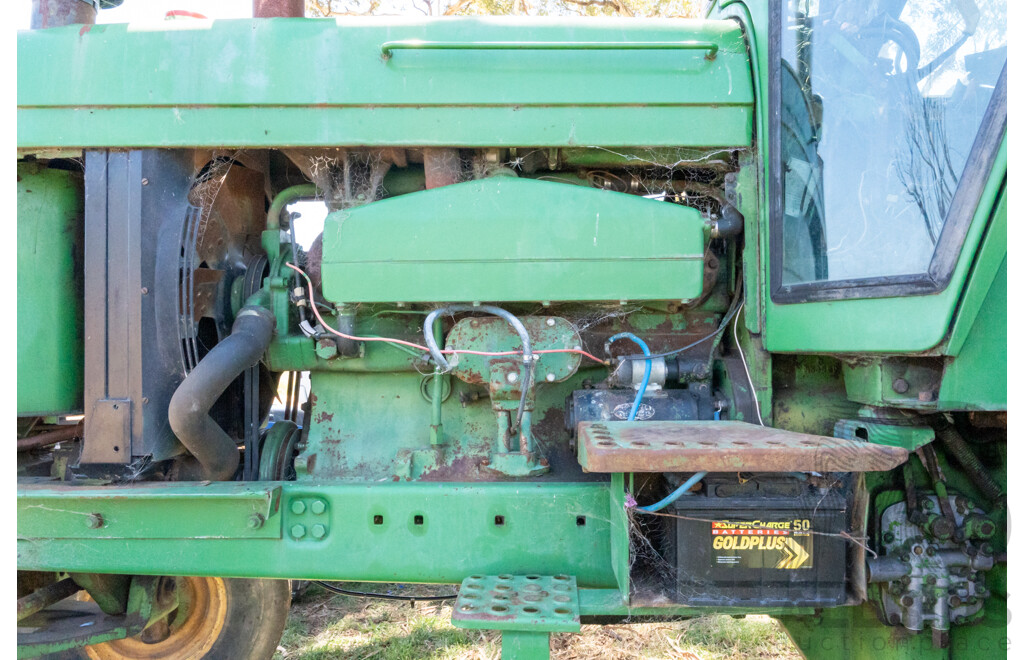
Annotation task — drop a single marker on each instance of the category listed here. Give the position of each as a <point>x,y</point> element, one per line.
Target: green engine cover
<point>49,290</point>
<point>508,239</point>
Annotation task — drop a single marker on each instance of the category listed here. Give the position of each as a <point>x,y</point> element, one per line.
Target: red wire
<point>316,313</point>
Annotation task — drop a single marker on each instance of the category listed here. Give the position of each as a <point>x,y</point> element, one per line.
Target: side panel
<point>49,290</point>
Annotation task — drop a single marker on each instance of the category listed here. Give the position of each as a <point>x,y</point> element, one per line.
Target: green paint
<point>124,91</point>
<point>372,526</point>
<point>50,273</point>
<point>510,239</point>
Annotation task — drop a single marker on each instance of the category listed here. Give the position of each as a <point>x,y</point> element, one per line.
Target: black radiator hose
<point>189,412</point>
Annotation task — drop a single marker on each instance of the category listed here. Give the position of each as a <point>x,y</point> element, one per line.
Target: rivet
<point>298,507</point>
<point>298,531</point>
<point>319,531</point>
<point>317,507</point>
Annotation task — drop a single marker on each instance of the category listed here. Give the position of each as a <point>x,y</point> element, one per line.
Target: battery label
<point>785,544</point>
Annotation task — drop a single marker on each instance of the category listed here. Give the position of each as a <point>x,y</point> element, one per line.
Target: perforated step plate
<point>532,603</point>
<point>723,446</point>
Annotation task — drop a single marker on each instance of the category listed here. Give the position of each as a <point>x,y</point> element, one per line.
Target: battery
<point>773,543</point>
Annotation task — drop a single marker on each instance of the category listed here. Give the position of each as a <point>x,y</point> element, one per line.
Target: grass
<point>322,625</point>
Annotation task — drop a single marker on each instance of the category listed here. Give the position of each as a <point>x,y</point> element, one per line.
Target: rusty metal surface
<point>278,8</point>
<point>723,446</point>
<point>50,437</point>
<point>54,13</point>
<point>441,166</point>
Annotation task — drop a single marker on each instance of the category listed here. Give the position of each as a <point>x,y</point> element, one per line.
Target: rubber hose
<point>189,411</point>
<point>976,472</point>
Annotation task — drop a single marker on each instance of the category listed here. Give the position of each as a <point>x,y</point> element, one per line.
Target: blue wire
<point>647,369</point>
<point>687,485</point>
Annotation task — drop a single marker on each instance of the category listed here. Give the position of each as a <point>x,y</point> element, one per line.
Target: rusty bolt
<point>94,521</point>
<point>900,386</point>
<point>486,461</point>
<point>544,462</point>
<point>255,521</point>
<point>954,601</point>
<point>907,601</point>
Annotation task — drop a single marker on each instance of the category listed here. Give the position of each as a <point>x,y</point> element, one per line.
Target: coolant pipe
<point>189,411</point>
<point>271,239</point>
<point>436,393</point>
<point>676,494</point>
<point>647,368</point>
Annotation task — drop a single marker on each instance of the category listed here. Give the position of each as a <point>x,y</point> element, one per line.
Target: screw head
<point>94,521</point>
<point>255,521</point>
<point>550,321</point>
<point>298,507</point>
<point>317,507</point>
<point>550,378</point>
<point>318,531</point>
<point>298,531</point>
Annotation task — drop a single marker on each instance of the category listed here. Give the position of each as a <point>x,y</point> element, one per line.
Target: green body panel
<point>324,82</point>
<point>49,290</point>
<point>511,239</point>
<point>458,535</point>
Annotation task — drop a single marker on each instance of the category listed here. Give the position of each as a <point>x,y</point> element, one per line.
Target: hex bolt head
<point>317,507</point>
<point>94,521</point>
<point>512,377</point>
<point>255,521</point>
<point>318,531</point>
<point>550,378</point>
<point>888,537</point>
<point>907,601</point>
<point>900,386</point>
<point>298,531</point>
<point>954,601</point>
<point>298,507</point>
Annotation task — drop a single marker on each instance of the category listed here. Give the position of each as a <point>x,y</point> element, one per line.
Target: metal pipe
<point>284,198</point>
<point>189,411</point>
<point>48,595</point>
<point>50,437</point>
<point>278,8</point>
<point>436,392</point>
<point>55,13</point>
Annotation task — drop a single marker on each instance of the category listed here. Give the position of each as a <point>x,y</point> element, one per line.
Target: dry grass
<point>323,626</point>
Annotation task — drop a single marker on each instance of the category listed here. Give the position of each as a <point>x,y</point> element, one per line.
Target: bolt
<point>550,378</point>
<point>317,507</point>
<point>298,531</point>
<point>145,290</point>
<point>928,504</point>
<point>930,551</point>
<point>954,601</point>
<point>94,521</point>
<point>930,580</point>
<point>550,321</point>
<point>905,580</point>
<point>907,601</point>
<point>512,377</point>
<point>888,537</point>
<point>145,182</point>
<point>319,531</point>
<point>900,386</point>
<point>298,507</point>
<point>255,521</point>
<point>918,550</point>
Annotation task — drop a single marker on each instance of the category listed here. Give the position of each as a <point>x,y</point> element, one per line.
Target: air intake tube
<point>189,412</point>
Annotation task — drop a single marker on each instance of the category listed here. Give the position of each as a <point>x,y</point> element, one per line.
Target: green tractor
<point>607,320</point>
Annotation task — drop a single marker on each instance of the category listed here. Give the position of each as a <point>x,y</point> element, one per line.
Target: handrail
<point>388,47</point>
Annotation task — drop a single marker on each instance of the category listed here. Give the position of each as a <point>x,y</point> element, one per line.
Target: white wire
<point>735,336</point>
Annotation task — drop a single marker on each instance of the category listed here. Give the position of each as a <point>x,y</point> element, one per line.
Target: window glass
<point>880,104</point>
